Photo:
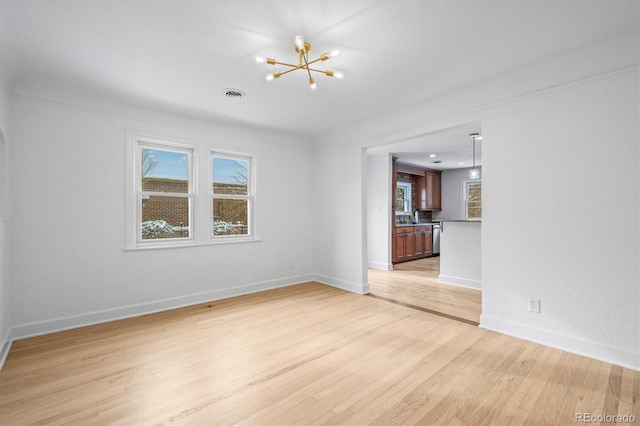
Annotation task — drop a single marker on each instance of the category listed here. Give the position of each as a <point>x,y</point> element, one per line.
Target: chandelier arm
<point>314,61</point>
<point>306,61</point>
<point>320,71</point>
<point>292,69</point>
<point>286,64</point>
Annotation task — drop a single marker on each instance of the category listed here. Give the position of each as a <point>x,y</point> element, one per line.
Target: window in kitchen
<point>473,200</point>
<point>403,198</point>
<point>231,195</point>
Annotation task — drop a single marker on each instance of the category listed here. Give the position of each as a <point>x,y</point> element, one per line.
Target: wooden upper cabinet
<point>434,183</point>
<point>428,191</point>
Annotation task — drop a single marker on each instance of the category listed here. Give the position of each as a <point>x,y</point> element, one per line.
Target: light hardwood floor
<point>306,354</point>
<point>416,283</point>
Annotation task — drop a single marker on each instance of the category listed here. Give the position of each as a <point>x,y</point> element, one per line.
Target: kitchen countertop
<point>399,225</point>
<point>457,220</point>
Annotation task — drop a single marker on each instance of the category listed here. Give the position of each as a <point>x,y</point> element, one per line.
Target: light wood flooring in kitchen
<point>415,283</point>
<point>302,355</point>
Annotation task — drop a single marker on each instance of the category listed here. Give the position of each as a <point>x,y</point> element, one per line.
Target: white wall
<point>5,301</point>
<point>340,233</point>
<point>461,254</point>
<point>453,206</point>
<point>378,212</point>
<point>582,261</point>
<point>567,232</point>
<point>68,263</point>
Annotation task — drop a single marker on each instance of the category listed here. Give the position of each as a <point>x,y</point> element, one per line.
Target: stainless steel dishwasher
<point>436,239</point>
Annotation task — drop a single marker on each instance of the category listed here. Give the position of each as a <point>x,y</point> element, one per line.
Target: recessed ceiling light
<point>432,156</point>
<point>460,163</point>
<point>233,93</point>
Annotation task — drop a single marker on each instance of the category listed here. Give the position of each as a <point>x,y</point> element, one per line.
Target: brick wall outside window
<point>174,210</point>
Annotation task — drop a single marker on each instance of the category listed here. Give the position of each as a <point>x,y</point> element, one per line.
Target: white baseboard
<point>4,348</point>
<point>591,349</point>
<point>460,282</point>
<point>382,266</point>
<point>59,324</point>
<point>341,284</point>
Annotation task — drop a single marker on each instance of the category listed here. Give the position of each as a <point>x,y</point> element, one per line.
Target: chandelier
<point>302,48</point>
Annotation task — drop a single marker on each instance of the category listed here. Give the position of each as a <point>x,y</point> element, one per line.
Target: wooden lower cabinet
<point>411,242</point>
<point>426,236</point>
<point>399,250</point>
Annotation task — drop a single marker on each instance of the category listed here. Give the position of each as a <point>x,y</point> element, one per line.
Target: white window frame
<point>406,204</point>
<point>249,197</point>
<point>201,182</point>
<point>465,196</point>
<point>134,194</point>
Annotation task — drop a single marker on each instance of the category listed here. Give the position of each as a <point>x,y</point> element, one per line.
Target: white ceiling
<point>450,147</point>
<point>179,56</point>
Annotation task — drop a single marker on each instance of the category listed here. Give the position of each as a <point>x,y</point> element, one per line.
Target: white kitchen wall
<point>579,143</point>
<point>68,265</point>
<point>453,194</point>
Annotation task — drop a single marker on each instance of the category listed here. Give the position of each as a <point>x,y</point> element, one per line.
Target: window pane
<point>165,217</point>
<point>474,200</point>
<point>475,192</point>
<point>230,176</point>
<point>164,170</point>
<point>230,217</point>
<point>400,199</point>
<point>474,210</point>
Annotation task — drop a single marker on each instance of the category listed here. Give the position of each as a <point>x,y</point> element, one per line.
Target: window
<point>231,195</point>
<point>473,200</point>
<point>176,197</point>
<point>164,187</point>
<point>403,198</point>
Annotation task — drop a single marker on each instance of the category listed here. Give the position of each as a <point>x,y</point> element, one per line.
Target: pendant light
<point>474,173</point>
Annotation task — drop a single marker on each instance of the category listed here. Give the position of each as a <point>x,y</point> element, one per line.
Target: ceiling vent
<point>234,93</point>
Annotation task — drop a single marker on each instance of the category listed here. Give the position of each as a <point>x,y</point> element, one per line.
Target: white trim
<point>341,284</point>
<point>460,282</point>
<point>381,266</point>
<point>193,244</point>
<point>97,317</point>
<point>592,349</point>
<point>5,347</point>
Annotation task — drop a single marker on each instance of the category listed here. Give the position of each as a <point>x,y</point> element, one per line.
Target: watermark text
<point>605,418</point>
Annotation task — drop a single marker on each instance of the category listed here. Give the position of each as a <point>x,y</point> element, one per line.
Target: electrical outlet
<point>534,305</point>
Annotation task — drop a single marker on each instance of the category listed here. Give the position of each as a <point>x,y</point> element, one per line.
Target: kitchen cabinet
<point>399,242</point>
<point>411,242</point>
<point>424,241</point>
<point>428,190</point>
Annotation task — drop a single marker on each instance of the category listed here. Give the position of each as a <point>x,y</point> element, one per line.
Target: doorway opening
<point>413,185</point>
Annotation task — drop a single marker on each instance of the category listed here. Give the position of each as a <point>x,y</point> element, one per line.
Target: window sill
<point>193,244</point>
